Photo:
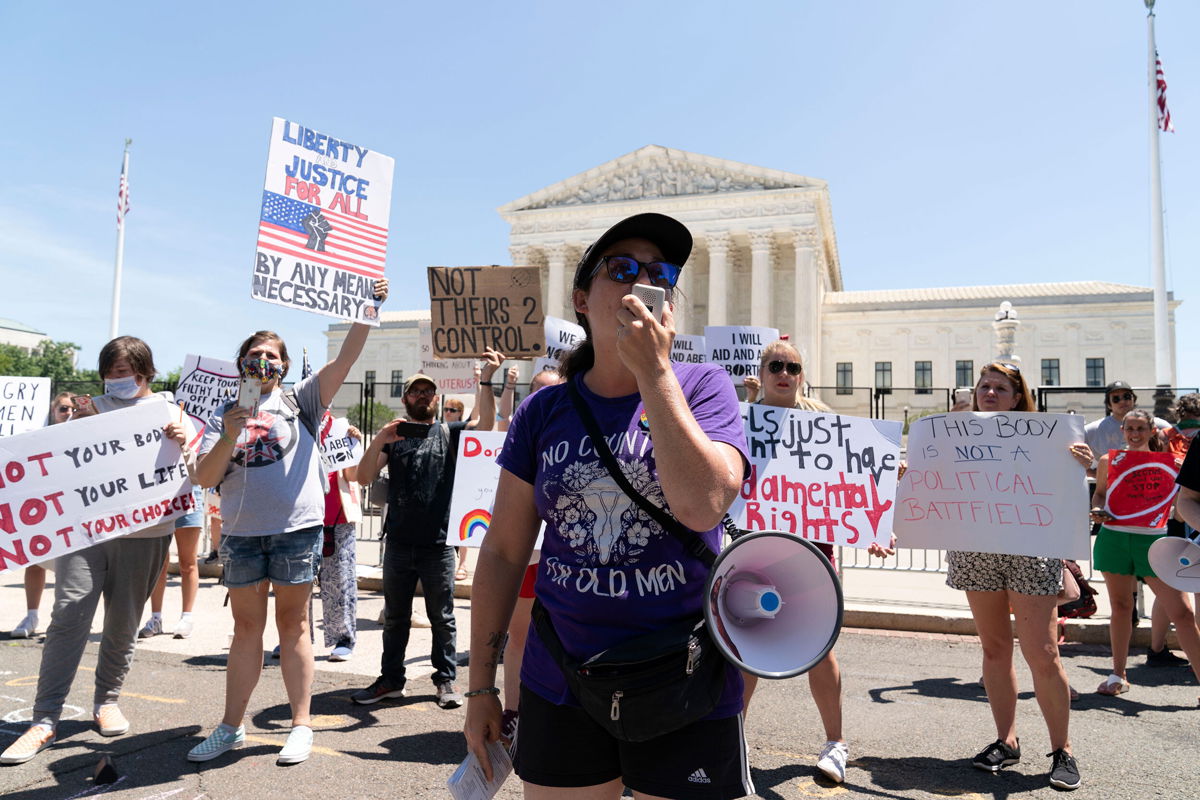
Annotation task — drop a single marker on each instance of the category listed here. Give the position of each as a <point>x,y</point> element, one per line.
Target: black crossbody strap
<point>690,540</point>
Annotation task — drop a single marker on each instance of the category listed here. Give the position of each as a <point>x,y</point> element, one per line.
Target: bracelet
<point>481,692</point>
<point>485,383</point>
<point>226,438</point>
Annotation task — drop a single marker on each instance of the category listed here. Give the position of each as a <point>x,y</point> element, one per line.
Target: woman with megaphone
<point>628,436</point>
<point>781,382</point>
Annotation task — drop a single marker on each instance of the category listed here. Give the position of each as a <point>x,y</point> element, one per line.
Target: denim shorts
<point>288,559</point>
<point>195,517</point>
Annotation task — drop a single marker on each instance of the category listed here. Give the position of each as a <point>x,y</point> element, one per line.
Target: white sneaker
<point>183,628</point>
<point>419,620</point>
<point>153,627</point>
<point>298,746</point>
<point>26,628</point>
<point>832,761</point>
<point>341,653</point>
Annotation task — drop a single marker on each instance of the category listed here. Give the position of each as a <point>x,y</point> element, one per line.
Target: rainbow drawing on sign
<point>474,523</point>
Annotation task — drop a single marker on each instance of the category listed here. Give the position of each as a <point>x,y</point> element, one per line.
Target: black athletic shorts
<point>561,746</point>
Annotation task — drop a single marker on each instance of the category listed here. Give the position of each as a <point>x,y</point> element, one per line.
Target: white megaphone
<point>1176,562</point>
<point>773,604</point>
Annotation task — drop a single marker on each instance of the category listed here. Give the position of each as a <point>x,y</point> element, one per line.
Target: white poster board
<point>338,448</point>
<point>824,477</point>
<point>737,348</point>
<point>561,337</point>
<point>68,487</point>
<point>475,478</point>
<point>323,224</point>
<point>453,375</point>
<point>24,404</point>
<point>205,384</point>
<point>995,483</point>
<point>689,349</point>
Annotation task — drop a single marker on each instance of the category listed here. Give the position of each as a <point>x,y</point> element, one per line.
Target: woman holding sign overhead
<point>1121,550</point>
<point>264,455</point>
<point>996,583</point>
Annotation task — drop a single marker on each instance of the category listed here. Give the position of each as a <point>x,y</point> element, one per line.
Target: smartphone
<point>249,392</point>
<point>655,297</point>
<point>412,430</point>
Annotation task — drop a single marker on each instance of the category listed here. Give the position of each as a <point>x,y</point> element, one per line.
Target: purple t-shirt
<point>608,572</point>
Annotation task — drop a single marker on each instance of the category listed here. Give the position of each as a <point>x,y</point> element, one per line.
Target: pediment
<point>655,172</point>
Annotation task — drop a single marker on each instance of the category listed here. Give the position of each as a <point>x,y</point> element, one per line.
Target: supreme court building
<point>766,254</point>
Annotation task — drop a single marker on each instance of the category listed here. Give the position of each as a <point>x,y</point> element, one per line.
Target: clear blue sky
<point>964,143</point>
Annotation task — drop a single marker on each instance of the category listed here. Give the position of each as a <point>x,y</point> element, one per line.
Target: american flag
<point>122,198</point>
<point>1164,113</point>
<point>306,369</point>
<point>321,236</point>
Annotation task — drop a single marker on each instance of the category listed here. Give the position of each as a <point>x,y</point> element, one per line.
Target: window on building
<point>397,383</point>
<point>1050,372</point>
<point>1094,372</point>
<point>923,376</point>
<point>883,375</point>
<point>845,377</point>
<point>369,377</point>
<point>964,373</point>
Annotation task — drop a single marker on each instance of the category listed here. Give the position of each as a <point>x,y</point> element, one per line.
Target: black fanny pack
<point>646,686</point>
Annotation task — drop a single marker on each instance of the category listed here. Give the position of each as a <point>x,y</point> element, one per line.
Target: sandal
<point>460,574</point>
<point>1113,685</point>
<point>1074,694</point>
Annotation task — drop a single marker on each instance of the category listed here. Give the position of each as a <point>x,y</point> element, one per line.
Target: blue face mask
<point>122,388</point>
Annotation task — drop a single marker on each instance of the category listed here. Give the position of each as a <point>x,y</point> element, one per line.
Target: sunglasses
<point>777,367</point>
<point>426,392</point>
<point>625,269</point>
<point>1125,398</point>
<point>65,409</point>
<point>454,411</point>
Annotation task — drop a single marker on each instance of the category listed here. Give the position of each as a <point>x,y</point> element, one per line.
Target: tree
<point>54,360</point>
<point>371,417</point>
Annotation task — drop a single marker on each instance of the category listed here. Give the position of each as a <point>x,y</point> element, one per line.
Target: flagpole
<point>115,319</point>
<point>1163,376</point>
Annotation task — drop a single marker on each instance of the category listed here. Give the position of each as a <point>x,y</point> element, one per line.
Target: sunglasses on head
<point>625,269</point>
<point>777,367</point>
<point>1125,397</point>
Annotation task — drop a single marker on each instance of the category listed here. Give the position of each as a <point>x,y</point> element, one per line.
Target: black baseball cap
<point>667,233</point>
<point>1112,387</point>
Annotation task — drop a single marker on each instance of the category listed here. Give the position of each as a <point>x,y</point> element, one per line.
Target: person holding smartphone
<point>273,505</point>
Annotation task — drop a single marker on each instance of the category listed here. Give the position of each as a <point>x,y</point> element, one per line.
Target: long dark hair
<point>583,356</point>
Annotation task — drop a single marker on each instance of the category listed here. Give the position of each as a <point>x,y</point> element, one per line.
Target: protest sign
<point>824,477</point>
<point>475,477</point>
<point>323,224</point>
<point>24,404</point>
<point>544,365</point>
<point>474,308</point>
<point>452,375</point>
<point>689,349</point>
<point>337,447</point>
<point>737,348</point>
<point>1141,487</point>
<point>67,487</point>
<point>561,337</point>
<point>994,483</point>
<point>205,384</point>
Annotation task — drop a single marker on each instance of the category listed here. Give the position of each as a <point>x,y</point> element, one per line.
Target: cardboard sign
<point>561,337</point>
<point>1141,487</point>
<point>994,483</point>
<point>337,447</point>
<point>475,477</point>
<point>738,348</point>
<point>205,384</point>
<point>24,404</point>
<point>453,375</point>
<point>323,224</point>
<point>474,308</point>
<point>689,349</point>
<point>68,487</point>
<point>824,477</point>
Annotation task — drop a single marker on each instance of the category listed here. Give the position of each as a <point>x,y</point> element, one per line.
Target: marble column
<point>556,279</point>
<point>806,303</point>
<point>717,243</point>
<point>760,277</point>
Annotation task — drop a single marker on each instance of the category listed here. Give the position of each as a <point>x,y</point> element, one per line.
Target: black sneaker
<point>381,689</point>
<point>448,696</point>
<point>212,557</point>
<point>1164,658</point>
<point>997,755</point>
<point>1064,771</point>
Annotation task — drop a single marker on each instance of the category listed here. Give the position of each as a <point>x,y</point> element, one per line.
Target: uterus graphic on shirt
<point>598,521</point>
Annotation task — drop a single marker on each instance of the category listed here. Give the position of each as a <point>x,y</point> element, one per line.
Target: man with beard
<point>420,479</point>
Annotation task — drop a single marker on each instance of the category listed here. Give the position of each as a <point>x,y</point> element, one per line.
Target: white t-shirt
<point>273,482</point>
